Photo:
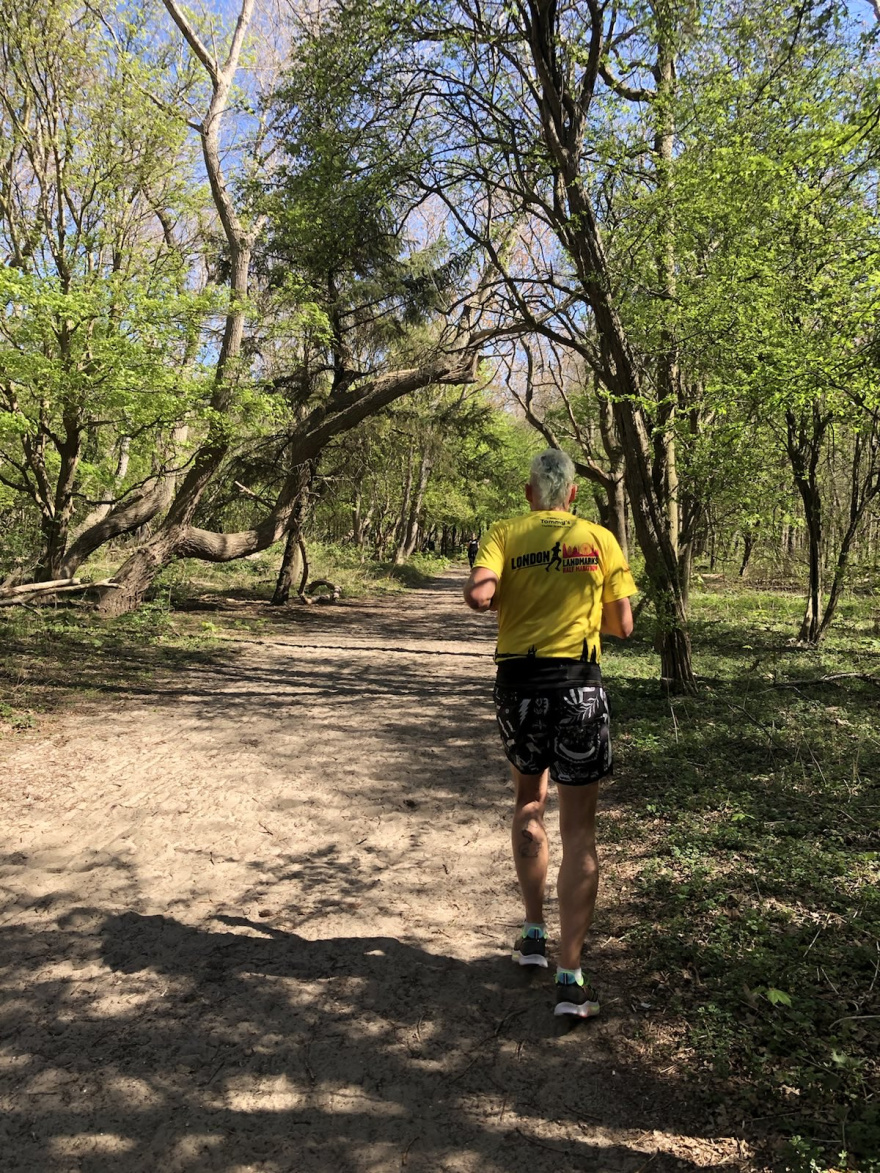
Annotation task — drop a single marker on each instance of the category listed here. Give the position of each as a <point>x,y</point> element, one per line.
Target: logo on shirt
<point>576,558</point>
<point>568,559</point>
<point>556,522</point>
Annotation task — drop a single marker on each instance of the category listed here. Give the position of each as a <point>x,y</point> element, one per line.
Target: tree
<point>98,323</point>
<point>787,315</point>
<point>324,408</point>
<point>528,104</point>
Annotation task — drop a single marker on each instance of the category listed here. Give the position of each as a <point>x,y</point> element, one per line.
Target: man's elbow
<point>617,619</point>
<point>626,620</point>
<point>477,600</point>
<point>479,590</point>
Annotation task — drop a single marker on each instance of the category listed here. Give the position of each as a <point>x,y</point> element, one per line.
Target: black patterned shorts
<point>565,730</point>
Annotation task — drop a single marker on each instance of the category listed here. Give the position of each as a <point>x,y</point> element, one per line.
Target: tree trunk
<point>804,437</point>
<point>810,624</point>
<point>294,562</point>
<point>400,526</point>
<point>360,521</point>
<point>748,545</point>
<point>132,513</point>
<point>107,497</point>
<point>863,490</point>
<point>412,526</point>
<point>56,525</point>
<point>292,565</point>
<point>652,490</point>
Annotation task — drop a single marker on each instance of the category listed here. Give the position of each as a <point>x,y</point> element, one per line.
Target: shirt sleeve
<point>490,555</point>
<point>619,582</point>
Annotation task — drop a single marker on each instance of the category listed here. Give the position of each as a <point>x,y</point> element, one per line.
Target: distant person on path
<point>472,548</point>
<point>557,582</point>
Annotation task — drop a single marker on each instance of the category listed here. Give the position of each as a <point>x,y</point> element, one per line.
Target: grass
<point>256,576</point>
<point>51,656</point>
<point>751,809</point>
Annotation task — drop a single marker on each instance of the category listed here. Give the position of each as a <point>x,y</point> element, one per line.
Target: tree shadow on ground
<point>252,1047</point>
<point>230,1042</point>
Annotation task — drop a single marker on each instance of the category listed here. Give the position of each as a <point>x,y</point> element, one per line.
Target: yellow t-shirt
<point>555,571</point>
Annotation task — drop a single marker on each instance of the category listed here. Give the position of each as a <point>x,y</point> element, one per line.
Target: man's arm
<point>479,590</point>
<point>617,618</point>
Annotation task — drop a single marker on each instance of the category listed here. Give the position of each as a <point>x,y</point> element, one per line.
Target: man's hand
<point>617,618</point>
<point>480,588</point>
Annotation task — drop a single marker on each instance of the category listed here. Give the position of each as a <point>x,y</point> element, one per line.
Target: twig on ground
<point>876,967</point>
<point>483,1041</point>
<point>34,590</point>
<point>771,738</point>
<point>405,1157</point>
<point>505,1020</point>
<point>851,1017</point>
<point>816,764</point>
<point>774,1115</point>
<point>829,981</point>
<point>586,1116</point>
<point>464,1070</point>
<point>551,1148</point>
<point>674,721</point>
<point>829,679</point>
<point>816,937</point>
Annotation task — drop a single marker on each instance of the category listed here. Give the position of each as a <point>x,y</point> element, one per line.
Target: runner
<point>557,581</point>
<point>472,548</point>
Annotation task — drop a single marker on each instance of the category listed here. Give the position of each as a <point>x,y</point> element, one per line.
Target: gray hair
<point>551,476</point>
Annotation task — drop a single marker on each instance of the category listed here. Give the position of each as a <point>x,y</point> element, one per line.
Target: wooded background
<point>289,271</point>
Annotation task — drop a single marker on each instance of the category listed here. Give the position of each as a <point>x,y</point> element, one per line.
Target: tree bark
<point>748,545</point>
<point>400,527</point>
<point>130,514</point>
<point>291,566</point>
<point>805,434</point>
<point>293,562</point>
<point>573,217</point>
<point>412,527</point>
<point>178,538</point>
<point>864,487</point>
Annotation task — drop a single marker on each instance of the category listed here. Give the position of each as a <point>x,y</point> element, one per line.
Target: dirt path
<point>258,917</point>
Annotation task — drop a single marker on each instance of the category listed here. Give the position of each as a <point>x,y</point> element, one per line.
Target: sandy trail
<point>258,916</point>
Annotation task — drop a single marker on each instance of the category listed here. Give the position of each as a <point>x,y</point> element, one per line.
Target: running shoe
<point>579,999</point>
<point>530,948</point>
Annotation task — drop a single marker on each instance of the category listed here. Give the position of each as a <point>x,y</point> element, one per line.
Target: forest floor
<point>257,915</point>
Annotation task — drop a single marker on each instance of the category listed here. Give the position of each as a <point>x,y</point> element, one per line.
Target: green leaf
<point>778,997</point>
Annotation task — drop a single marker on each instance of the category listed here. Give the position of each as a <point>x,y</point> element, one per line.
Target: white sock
<point>568,977</point>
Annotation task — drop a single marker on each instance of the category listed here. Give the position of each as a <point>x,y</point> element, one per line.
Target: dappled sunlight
<point>276,905</point>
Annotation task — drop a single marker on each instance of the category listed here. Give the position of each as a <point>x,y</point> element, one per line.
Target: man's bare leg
<point>578,879</point>
<point>529,840</point>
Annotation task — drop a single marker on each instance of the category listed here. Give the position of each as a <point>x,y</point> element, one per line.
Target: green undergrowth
<point>52,655</point>
<point>255,577</point>
<point>749,814</point>
<point>753,807</point>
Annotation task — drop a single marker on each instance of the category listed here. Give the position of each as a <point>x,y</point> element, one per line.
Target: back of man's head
<point>551,476</point>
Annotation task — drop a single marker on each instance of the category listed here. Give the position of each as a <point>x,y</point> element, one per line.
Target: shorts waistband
<point>540,672</point>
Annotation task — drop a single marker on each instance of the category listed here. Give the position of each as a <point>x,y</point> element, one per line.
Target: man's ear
<point>572,493</point>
